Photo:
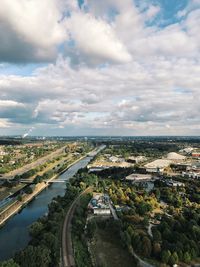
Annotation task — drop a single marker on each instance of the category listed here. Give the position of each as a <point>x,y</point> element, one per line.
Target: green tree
<point>165,256</point>
<point>147,247</point>
<point>36,229</point>
<point>34,257</point>
<point>173,259</point>
<point>187,257</point>
<point>157,235</point>
<point>9,263</point>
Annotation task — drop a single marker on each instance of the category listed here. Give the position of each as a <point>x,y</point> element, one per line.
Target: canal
<point>14,235</point>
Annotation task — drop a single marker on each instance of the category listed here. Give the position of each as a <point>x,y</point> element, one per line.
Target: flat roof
<point>138,176</point>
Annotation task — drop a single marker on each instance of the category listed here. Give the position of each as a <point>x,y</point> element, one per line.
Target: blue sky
<point>100,67</point>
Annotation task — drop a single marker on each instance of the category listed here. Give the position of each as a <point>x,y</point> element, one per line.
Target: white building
<point>157,165</point>
<point>137,177</point>
<point>175,183</point>
<point>191,174</point>
<point>175,157</point>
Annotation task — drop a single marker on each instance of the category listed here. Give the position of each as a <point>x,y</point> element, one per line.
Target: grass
<point>107,250</point>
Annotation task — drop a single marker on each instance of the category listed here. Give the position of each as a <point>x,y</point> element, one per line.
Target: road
<point>67,248</point>
<point>34,164</point>
<point>141,262</point>
<point>114,214</point>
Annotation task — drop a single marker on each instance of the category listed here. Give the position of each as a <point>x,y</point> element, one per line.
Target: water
<point>14,235</point>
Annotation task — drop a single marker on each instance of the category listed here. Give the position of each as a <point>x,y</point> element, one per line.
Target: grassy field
<point>107,250</point>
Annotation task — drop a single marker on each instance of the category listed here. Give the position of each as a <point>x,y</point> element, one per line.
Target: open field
<point>108,251</point>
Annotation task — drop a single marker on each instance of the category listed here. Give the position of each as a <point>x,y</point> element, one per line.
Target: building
<point>192,171</point>
<point>98,168</point>
<point>157,165</point>
<point>172,183</point>
<point>175,157</point>
<point>196,154</point>
<point>136,160</point>
<point>181,166</point>
<point>116,159</point>
<point>137,177</point>
<point>99,204</point>
<point>191,174</point>
<point>186,150</point>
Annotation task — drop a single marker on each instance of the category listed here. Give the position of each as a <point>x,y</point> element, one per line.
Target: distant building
<point>196,154</point>
<point>116,159</point>
<point>186,150</point>
<point>136,160</point>
<point>175,157</point>
<point>157,165</point>
<point>97,168</point>
<point>191,174</point>
<point>174,183</point>
<point>99,204</point>
<point>181,166</point>
<point>137,177</point>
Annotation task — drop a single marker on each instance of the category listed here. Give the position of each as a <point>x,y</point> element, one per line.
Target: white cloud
<point>96,39</point>
<point>30,26</point>
<point>152,11</point>
<point>10,103</point>
<point>136,96</point>
<point>152,87</point>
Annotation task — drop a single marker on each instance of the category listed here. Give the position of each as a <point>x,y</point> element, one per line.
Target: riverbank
<point>17,206</point>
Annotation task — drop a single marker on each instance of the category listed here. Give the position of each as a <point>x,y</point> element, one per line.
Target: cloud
<point>93,34</point>
<point>134,97</point>
<point>30,30</point>
<point>116,74</point>
<point>152,11</point>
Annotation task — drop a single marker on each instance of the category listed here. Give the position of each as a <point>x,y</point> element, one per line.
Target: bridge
<point>26,181</point>
<point>57,181</point>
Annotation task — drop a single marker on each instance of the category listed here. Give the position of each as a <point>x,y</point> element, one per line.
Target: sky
<point>109,67</point>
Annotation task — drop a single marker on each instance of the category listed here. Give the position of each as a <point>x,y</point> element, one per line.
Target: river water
<point>14,236</point>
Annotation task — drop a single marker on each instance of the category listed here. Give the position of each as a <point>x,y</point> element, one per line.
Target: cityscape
<point>99,133</point>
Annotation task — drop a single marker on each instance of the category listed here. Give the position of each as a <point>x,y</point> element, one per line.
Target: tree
<point>147,247</point>
<point>36,229</point>
<point>28,190</point>
<point>19,197</point>
<point>156,248</point>
<point>34,257</point>
<point>186,257</point>
<point>9,263</point>
<point>165,256</point>
<point>157,193</point>
<point>157,235</point>
<point>173,259</point>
